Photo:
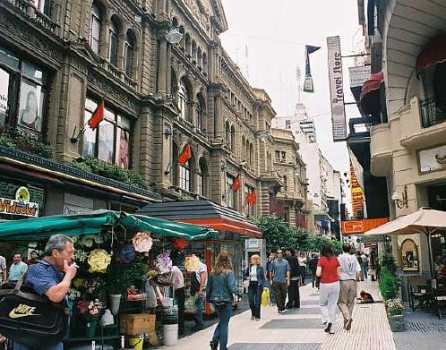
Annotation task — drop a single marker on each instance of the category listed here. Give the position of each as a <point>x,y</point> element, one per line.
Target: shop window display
<point>409,256</point>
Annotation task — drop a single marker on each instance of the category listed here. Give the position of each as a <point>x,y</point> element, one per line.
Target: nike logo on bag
<point>22,311</point>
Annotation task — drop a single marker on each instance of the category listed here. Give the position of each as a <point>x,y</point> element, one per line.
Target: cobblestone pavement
<point>302,329</point>
<point>424,331</point>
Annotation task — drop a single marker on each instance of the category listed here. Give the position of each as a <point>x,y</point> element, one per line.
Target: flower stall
<point>121,288</point>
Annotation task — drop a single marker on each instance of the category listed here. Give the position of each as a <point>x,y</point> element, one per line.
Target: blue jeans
<point>254,295</point>
<point>18,346</point>
<point>198,316</point>
<point>221,332</point>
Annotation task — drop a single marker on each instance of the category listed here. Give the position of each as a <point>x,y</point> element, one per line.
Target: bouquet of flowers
<point>90,309</point>
<point>394,307</point>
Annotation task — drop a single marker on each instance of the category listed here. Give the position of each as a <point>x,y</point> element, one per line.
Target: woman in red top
<point>329,270</point>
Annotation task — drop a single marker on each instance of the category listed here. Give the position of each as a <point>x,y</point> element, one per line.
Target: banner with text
<point>339,124</point>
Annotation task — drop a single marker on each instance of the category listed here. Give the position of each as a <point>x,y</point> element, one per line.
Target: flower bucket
<point>115,302</point>
<point>396,323</point>
<point>91,328</point>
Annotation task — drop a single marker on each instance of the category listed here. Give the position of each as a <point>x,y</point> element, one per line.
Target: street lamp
<point>174,35</point>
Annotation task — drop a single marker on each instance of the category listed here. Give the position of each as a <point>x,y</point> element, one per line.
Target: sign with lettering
<point>339,124</point>
<point>360,226</point>
<point>20,205</point>
<point>359,75</point>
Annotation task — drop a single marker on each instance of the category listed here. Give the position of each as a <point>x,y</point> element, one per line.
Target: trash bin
<point>170,334</point>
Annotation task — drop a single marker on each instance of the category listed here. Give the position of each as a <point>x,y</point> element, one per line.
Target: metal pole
<point>429,245</point>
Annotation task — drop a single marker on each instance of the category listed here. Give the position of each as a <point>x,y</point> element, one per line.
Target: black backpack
<point>30,319</point>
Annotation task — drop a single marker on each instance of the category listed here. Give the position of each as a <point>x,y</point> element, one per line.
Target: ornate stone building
<point>60,59</point>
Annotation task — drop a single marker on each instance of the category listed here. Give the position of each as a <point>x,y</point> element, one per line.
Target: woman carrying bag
<point>219,291</point>
<point>255,275</point>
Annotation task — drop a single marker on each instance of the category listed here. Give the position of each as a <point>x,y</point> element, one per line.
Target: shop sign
<point>254,243</point>
<point>21,205</point>
<point>432,159</point>
<point>339,124</point>
<point>359,75</point>
<point>360,226</point>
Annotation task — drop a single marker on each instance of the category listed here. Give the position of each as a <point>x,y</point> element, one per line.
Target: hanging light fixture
<point>174,35</point>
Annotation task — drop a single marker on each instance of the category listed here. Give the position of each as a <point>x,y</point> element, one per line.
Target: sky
<point>267,40</point>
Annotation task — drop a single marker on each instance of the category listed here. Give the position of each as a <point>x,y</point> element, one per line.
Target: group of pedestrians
<point>338,285</point>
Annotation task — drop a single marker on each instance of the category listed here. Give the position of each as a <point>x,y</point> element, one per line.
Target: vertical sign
<point>357,194</point>
<point>339,124</point>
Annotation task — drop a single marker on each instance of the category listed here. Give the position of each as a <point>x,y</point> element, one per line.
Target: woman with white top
<point>255,274</point>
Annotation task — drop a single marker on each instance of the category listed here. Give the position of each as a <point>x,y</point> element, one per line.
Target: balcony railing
<point>29,9</point>
<point>432,112</point>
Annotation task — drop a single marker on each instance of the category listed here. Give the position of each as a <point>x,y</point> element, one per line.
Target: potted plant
<point>395,315</point>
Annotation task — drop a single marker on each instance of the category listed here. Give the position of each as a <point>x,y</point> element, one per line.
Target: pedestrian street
<point>301,329</point>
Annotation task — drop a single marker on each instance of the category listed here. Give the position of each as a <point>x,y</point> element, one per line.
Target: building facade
<point>61,61</point>
<point>407,140</point>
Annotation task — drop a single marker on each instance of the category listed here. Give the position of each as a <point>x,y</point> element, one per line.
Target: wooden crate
<point>137,324</point>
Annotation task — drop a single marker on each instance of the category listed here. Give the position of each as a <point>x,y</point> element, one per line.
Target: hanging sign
<point>20,205</point>
<point>339,124</point>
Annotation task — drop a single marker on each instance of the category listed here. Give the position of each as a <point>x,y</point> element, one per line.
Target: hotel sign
<point>20,205</point>
<point>339,124</point>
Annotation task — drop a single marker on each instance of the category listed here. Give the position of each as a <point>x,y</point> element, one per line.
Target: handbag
<point>31,319</point>
<point>190,304</point>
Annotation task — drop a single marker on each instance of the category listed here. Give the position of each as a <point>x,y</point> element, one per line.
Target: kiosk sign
<point>21,205</point>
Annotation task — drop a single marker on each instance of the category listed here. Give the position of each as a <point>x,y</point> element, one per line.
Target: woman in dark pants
<point>220,289</point>
<point>255,274</point>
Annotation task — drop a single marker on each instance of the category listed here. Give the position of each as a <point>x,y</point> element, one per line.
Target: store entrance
<point>437,197</point>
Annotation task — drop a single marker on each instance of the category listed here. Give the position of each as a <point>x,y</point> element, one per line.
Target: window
<point>95,28</point>
<point>277,153</point>
<point>184,177</point>
<point>233,138</point>
<point>287,124</point>
<point>283,159</point>
<point>228,134</point>
<point>285,184</point>
<point>43,6</point>
<point>129,52</point>
<point>230,195</point>
<point>22,93</point>
<point>113,49</point>
<point>201,113</point>
<point>248,209</point>
<point>203,178</point>
<point>110,141</point>
<point>183,99</point>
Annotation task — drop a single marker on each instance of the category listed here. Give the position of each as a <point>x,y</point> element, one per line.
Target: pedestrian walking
<point>280,279</point>
<point>255,274</point>
<point>177,282</point>
<point>364,262</point>
<point>198,287</point>
<point>17,269</point>
<point>328,270</point>
<point>350,274</point>
<point>269,269</point>
<point>293,289</point>
<point>312,265</point>
<point>303,267</point>
<point>52,277</point>
<point>219,291</point>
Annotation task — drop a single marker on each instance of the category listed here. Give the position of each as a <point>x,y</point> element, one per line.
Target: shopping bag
<point>265,297</point>
<point>190,304</point>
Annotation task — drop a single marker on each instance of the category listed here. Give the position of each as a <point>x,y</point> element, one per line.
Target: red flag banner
<point>97,116</point>
<point>185,155</point>
<point>251,198</point>
<point>236,185</point>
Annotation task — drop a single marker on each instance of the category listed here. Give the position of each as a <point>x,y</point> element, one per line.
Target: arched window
<point>183,99</point>
<point>173,83</point>
<point>174,165</point>
<point>285,184</point>
<point>113,48</point>
<point>233,138</point>
<point>203,176</point>
<point>201,113</point>
<point>251,154</point>
<point>205,63</point>
<point>409,255</point>
<point>228,134</point>
<point>95,28</point>
<point>129,52</point>
<point>243,154</point>
<point>194,51</point>
<point>188,45</point>
<point>199,58</point>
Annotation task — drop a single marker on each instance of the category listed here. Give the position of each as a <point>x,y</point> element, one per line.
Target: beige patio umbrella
<point>424,220</point>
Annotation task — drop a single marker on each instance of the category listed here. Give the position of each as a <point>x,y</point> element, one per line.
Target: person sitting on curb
<point>365,298</point>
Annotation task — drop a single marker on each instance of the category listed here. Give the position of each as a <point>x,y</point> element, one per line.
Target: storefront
<point>232,229</point>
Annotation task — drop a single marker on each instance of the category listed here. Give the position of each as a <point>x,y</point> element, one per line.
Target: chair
<point>417,291</point>
<point>439,298</point>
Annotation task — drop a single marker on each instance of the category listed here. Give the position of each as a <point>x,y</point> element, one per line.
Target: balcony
<point>28,8</point>
<point>422,124</point>
<point>381,150</point>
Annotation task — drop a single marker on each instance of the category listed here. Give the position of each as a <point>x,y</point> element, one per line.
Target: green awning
<point>36,229</point>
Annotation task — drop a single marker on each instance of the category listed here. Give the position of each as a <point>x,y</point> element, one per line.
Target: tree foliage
<point>278,234</point>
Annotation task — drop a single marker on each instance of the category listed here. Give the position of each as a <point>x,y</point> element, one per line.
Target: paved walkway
<point>301,329</point>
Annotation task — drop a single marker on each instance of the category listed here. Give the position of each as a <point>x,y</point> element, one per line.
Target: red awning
<point>223,224</point>
<point>434,52</point>
<point>370,94</point>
